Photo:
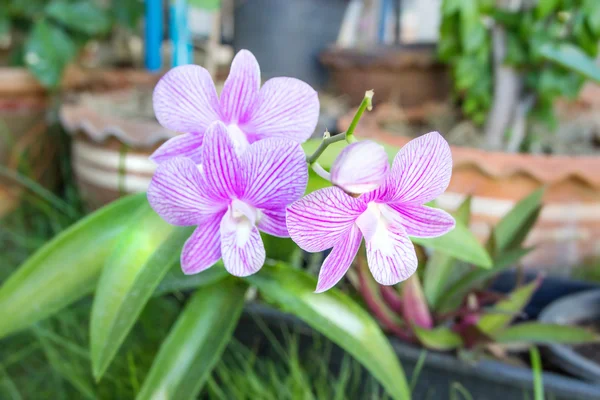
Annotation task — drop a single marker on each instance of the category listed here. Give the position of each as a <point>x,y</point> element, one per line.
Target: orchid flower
<point>385,217</point>
<point>361,167</point>
<point>186,101</point>
<point>230,198</point>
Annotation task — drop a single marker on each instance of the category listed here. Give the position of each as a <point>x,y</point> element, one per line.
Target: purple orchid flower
<point>229,198</point>
<point>361,167</point>
<point>185,100</point>
<point>386,216</point>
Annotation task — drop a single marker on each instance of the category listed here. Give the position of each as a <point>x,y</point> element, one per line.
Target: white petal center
<point>238,137</point>
<point>374,223</point>
<point>241,218</point>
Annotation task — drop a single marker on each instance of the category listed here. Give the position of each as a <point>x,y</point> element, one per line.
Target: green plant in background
<point>47,35</point>
<point>511,60</point>
<point>449,307</point>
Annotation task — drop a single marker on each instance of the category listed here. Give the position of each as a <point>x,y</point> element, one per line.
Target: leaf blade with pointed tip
<point>196,342</point>
<point>337,317</point>
<point>65,269</point>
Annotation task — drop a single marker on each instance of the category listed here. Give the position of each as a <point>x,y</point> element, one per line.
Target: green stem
<point>319,170</point>
<point>324,144</point>
<point>366,104</point>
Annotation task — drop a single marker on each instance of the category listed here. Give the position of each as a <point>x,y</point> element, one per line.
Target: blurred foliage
<point>553,46</point>
<point>449,306</point>
<point>47,35</point>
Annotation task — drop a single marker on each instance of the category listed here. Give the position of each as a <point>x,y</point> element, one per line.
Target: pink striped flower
<point>230,198</point>
<point>385,217</point>
<point>361,167</point>
<point>185,100</point>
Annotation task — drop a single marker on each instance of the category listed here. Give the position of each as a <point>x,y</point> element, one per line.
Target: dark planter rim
<point>569,359</point>
<point>490,370</point>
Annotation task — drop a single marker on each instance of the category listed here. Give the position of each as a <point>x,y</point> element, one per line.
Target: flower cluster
<point>237,168</point>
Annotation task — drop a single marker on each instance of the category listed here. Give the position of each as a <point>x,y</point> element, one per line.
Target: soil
<point>590,351</point>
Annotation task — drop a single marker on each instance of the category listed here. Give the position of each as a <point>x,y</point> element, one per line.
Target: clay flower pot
<point>568,229</point>
<point>24,142</point>
<point>114,133</point>
<point>409,76</point>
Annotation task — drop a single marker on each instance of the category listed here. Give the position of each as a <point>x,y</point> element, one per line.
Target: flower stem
<point>366,104</point>
<point>327,140</point>
<point>321,171</point>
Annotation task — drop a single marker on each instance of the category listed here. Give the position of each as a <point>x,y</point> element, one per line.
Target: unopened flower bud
<point>361,167</point>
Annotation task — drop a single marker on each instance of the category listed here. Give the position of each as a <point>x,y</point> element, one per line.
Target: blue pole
<point>153,35</point>
<point>180,33</point>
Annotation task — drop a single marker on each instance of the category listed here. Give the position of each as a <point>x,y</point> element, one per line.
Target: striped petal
<point>176,192</point>
<point>361,167</point>
<point>421,171</point>
<point>319,220</point>
<point>390,254</point>
<point>339,260</point>
<point>241,246</point>
<point>221,164</point>
<point>423,221</point>
<point>241,88</point>
<point>285,107</point>
<point>275,173</point>
<point>203,249</point>
<point>273,222</point>
<point>185,145</point>
<point>185,100</point>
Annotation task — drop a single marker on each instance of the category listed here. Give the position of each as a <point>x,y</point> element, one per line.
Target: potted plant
<point>509,68</point>
<point>39,41</point>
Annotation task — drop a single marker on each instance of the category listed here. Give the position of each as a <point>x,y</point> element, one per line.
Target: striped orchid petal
<point>361,167</point>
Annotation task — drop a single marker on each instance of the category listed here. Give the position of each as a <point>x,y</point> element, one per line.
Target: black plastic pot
<point>572,310</point>
<point>442,375</point>
<point>287,36</point>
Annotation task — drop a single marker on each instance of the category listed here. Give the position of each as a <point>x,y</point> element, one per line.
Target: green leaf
<point>146,251</point>
<point>459,243</point>
<point>536,368</point>
<point>545,7</point>
<point>47,52</point>
<point>128,12</point>
<point>571,57</point>
<point>441,338</point>
<point>592,10</point>
<point>82,16</point>
<point>196,342</point>
<point>542,333</point>
<point>515,225</point>
<point>339,318</point>
<point>506,310</point>
<point>205,4</point>
<point>66,268</point>
<point>175,280</point>
<point>440,267</point>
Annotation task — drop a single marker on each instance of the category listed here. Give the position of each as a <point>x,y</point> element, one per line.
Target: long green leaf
<point>440,338</point>
<point>541,333</point>
<point>440,266</point>
<point>536,368</point>
<point>146,251</point>
<point>65,269</point>
<point>453,296</point>
<point>175,280</point>
<point>459,243</point>
<point>339,318</point>
<point>517,220</point>
<point>196,342</point>
<point>573,58</point>
<point>505,311</point>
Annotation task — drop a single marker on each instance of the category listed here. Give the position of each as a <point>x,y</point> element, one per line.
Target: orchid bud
<point>361,167</point>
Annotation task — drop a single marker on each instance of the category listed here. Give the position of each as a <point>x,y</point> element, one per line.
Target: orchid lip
<point>238,137</point>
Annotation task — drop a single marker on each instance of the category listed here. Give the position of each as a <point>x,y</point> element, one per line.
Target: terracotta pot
<point>113,135</point>
<point>23,126</point>
<point>408,76</point>
<point>568,229</point>
<point>24,143</point>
